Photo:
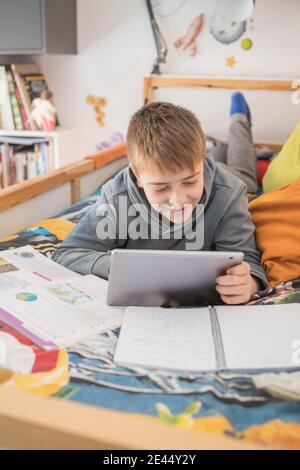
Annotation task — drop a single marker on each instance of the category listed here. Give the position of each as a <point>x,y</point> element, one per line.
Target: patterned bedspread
<point>265,411</point>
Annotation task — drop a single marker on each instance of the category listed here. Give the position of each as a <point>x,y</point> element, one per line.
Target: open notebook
<point>210,339</point>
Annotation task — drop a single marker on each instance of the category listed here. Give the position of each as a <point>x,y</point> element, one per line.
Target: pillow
<point>276,216</point>
<point>285,168</point>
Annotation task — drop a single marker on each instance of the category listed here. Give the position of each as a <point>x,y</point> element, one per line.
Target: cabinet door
<point>20,26</point>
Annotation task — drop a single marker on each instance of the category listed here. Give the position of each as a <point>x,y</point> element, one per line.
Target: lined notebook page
<point>259,337</point>
<point>175,339</point>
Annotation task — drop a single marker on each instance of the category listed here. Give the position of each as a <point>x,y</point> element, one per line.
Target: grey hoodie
<point>227,224</point>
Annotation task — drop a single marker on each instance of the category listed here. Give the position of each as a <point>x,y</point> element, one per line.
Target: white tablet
<point>174,278</point>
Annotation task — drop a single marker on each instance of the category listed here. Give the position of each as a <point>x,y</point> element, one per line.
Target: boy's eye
<point>187,183</point>
<point>161,189</point>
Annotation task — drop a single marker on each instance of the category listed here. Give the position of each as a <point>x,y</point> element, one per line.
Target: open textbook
<point>50,304</point>
<point>210,339</point>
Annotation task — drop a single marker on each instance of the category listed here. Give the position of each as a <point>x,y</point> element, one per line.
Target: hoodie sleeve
<point>86,249</point>
<point>236,232</point>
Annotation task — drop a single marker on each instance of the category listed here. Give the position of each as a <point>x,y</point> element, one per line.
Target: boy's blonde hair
<point>166,136</point>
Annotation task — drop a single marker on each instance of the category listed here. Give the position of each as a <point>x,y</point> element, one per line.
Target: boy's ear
<point>134,171</point>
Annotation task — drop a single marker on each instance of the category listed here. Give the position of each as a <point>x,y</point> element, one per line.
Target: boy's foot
<point>240,105</point>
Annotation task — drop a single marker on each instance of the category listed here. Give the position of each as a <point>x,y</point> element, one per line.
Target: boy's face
<point>173,195</point>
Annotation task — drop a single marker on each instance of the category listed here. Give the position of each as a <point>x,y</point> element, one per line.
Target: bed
<point>101,406</point>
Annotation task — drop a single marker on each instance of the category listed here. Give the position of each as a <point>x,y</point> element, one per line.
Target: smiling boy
<point>170,175</point>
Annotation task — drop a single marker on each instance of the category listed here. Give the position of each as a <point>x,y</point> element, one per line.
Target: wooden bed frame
<point>32,422</point>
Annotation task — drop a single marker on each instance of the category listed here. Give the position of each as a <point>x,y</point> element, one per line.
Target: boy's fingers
<point>230,280</point>
<point>233,299</point>
<point>231,290</point>
<point>240,269</point>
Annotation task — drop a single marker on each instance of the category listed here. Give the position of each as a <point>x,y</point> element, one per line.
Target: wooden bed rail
<point>72,173</point>
<point>164,81</point>
<point>108,155</point>
<point>29,421</point>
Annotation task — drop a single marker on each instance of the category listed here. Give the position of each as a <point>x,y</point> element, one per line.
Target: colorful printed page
<point>58,314</point>
<point>24,266</point>
<point>49,304</point>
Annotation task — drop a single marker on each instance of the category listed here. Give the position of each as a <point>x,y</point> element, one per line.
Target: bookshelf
<point>25,150</point>
<point>62,145</point>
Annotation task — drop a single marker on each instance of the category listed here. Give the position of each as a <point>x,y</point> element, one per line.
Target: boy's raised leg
<point>219,152</point>
<point>241,155</point>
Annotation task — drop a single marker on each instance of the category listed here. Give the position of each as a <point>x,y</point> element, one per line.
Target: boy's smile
<point>173,195</point>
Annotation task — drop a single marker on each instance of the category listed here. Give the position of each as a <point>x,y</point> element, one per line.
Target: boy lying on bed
<point>169,175</point>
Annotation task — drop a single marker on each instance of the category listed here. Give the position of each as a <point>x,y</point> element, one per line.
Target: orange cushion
<point>276,216</point>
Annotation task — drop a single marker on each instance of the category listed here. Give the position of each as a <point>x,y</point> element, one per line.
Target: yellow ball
<point>246,44</point>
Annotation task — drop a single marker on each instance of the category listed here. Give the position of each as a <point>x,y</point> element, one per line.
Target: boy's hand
<point>237,286</point>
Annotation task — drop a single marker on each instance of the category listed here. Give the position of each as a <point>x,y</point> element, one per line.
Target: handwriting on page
<point>167,339</point>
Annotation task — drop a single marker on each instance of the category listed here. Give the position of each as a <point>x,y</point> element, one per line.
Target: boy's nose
<point>177,198</point>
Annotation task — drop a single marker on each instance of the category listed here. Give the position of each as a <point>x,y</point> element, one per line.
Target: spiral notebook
<point>264,337</point>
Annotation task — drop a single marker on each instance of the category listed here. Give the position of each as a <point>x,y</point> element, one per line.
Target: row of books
<point>21,162</point>
<point>20,84</point>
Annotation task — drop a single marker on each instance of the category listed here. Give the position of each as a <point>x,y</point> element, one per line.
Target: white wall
<point>116,50</point>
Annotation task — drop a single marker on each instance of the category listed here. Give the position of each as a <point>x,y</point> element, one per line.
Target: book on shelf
<point>6,114</point>
<point>18,123</point>
<point>21,161</point>
<point>20,84</point>
<point>24,117</point>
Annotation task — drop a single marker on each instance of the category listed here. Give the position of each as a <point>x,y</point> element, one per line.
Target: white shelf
<point>15,133</point>
<point>63,142</point>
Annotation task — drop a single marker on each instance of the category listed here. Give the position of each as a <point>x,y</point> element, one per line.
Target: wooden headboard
<point>153,82</point>
<point>164,81</point>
